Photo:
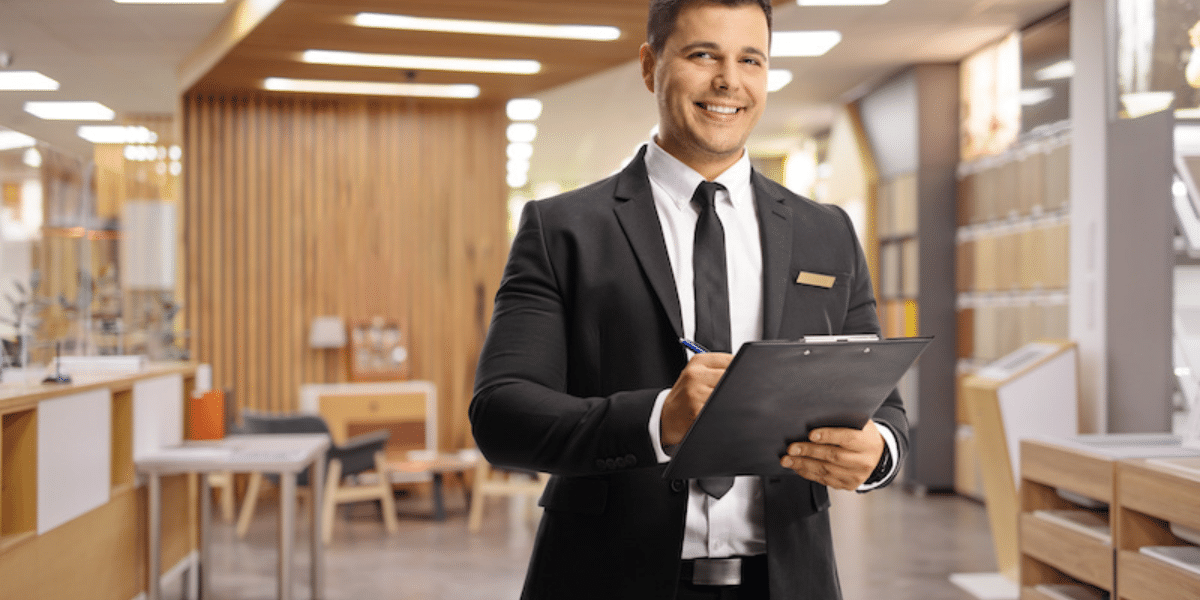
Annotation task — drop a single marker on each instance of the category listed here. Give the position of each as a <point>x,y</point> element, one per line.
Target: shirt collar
<point>680,181</point>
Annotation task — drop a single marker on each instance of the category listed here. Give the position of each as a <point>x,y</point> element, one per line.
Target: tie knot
<point>706,193</point>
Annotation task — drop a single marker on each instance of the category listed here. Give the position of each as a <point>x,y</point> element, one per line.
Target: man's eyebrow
<point>715,46</point>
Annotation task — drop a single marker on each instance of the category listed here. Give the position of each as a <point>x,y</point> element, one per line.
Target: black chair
<point>353,456</point>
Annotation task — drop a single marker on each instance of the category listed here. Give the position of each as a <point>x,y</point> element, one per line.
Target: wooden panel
<point>1072,553</point>
<point>1160,492</point>
<point>122,438</point>
<point>18,473</point>
<point>301,207</point>
<point>1072,470</point>
<point>1146,578</point>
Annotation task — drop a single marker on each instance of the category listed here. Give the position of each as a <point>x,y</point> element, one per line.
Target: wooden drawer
<point>340,411</point>
<point>1146,578</point>
<point>1075,554</point>
<point>1068,469</point>
<point>1162,492</point>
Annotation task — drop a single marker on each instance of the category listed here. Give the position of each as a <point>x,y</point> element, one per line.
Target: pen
<point>693,346</point>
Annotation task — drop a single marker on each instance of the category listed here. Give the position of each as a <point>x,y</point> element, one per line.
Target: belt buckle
<point>717,571</point>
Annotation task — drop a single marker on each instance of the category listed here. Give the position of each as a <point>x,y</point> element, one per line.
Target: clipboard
<point>775,392</point>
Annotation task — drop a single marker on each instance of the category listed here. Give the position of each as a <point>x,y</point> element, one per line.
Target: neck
<point>709,165</point>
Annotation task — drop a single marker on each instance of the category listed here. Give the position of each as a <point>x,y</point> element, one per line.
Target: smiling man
<point>583,375</point>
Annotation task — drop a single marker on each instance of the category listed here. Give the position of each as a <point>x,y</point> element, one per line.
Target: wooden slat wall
<point>299,207</point>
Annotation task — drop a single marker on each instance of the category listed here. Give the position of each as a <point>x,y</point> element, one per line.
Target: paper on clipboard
<point>774,393</point>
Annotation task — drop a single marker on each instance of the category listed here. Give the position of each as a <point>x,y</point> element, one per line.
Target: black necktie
<point>712,294</point>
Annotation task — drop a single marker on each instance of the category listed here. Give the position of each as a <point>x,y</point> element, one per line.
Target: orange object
<point>206,416</point>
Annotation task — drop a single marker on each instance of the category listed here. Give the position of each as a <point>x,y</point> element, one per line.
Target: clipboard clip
<point>832,339</point>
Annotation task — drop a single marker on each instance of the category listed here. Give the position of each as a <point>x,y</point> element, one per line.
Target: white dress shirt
<point>732,525</point>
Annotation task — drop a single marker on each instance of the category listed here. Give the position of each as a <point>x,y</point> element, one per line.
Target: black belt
<point>724,571</point>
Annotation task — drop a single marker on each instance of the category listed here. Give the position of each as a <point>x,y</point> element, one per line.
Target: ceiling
<point>138,59</point>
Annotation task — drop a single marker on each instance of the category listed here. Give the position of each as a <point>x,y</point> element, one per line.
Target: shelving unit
<point>1152,496</point>
<point>1078,527</point>
<point>18,476</point>
<point>1012,264</point>
<point>1054,548</point>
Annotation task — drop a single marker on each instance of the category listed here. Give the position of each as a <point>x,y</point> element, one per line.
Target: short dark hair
<point>663,13</point>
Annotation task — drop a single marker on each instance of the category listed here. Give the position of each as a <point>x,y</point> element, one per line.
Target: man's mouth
<point>717,108</point>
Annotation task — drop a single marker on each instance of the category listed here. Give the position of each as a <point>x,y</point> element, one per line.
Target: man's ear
<point>649,61</point>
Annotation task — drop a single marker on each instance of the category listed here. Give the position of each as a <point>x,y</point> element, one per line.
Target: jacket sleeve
<point>861,317</point>
<point>521,414</point>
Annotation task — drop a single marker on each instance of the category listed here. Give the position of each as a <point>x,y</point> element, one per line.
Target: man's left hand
<point>837,457</point>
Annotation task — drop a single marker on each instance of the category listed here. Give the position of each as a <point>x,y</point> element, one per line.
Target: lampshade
<point>327,332</point>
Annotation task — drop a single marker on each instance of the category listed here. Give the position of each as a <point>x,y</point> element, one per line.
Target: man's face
<point>710,82</point>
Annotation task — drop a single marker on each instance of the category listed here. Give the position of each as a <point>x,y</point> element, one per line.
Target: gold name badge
<point>816,279</point>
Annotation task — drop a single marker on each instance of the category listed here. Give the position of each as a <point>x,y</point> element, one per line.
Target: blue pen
<point>693,346</point>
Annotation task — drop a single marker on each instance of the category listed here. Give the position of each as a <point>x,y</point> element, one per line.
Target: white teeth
<point>725,110</point>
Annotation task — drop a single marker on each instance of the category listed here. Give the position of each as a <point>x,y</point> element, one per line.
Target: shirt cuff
<point>656,427</point>
<point>889,440</point>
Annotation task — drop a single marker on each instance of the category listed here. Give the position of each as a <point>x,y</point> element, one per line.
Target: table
<point>285,454</point>
<point>401,469</point>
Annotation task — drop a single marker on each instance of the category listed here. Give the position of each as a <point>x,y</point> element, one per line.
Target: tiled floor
<point>890,544</point>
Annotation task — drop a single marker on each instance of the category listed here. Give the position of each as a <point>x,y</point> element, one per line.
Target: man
<point>583,376</point>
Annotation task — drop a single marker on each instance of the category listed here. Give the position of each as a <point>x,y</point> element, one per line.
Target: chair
<point>499,482</point>
<point>356,455</point>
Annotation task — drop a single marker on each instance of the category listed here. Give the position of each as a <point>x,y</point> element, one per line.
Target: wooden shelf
<point>18,473</point>
<point>1153,494</point>
<point>1051,551</point>
<point>122,439</point>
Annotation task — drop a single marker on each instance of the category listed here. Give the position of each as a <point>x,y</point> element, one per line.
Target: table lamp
<point>327,332</point>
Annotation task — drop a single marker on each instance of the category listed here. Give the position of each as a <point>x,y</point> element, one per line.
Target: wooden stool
<point>490,482</point>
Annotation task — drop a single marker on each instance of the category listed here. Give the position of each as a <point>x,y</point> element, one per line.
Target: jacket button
<point>600,463</point>
<point>610,463</point>
<point>630,460</point>
<point>620,462</point>
<point>678,485</point>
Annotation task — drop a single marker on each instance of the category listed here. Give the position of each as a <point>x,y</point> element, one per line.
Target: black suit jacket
<point>583,338</point>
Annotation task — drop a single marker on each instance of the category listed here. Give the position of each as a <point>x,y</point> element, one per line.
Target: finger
<point>712,360</point>
<point>822,472</point>
<point>854,460</point>
<point>854,439</point>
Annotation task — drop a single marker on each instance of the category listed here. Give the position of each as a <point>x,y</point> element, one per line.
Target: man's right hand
<point>690,393</point>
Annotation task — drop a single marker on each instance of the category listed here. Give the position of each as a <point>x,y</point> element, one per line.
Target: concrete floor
<point>890,544</point>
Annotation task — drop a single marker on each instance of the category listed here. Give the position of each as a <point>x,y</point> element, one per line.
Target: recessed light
<point>522,132</point>
<point>777,79</point>
<point>602,33</point>
<point>10,140</point>
<point>523,150</point>
<point>116,134</point>
<point>1063,69</point>
<point>841,2</point>
<point>70,111</point>
<point>26,81</point>
<point>424,63</point>
<point>524,109</point>
<point>803,43</point>
<point>371,88</point>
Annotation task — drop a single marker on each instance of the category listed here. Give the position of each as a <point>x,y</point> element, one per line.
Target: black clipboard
<point>775,392</point>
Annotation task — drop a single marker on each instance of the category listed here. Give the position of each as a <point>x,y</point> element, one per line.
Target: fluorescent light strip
<point>10,140</point>
<point>601,33</point>
<point>425,63</point>
<point>1063,69</point>
<point>26,81</point>
<point>803,43</point>
<point>371,88</point>
<point>777,79</point>
<point>116,134</point>
<point>70,111</point>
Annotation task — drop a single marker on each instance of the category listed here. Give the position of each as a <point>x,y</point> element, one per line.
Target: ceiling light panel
<point>371,88</point>
<point>777,79</point>
<point>422,63</point>
<point>70,111</point>
<point>26,81</point>
<point>535,30</point>
<point>786,44</point>
<point>10,140</point>
<point>116,134</point>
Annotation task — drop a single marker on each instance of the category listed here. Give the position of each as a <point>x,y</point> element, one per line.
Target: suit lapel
<point>775,224</point>
<point>639,219</point>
